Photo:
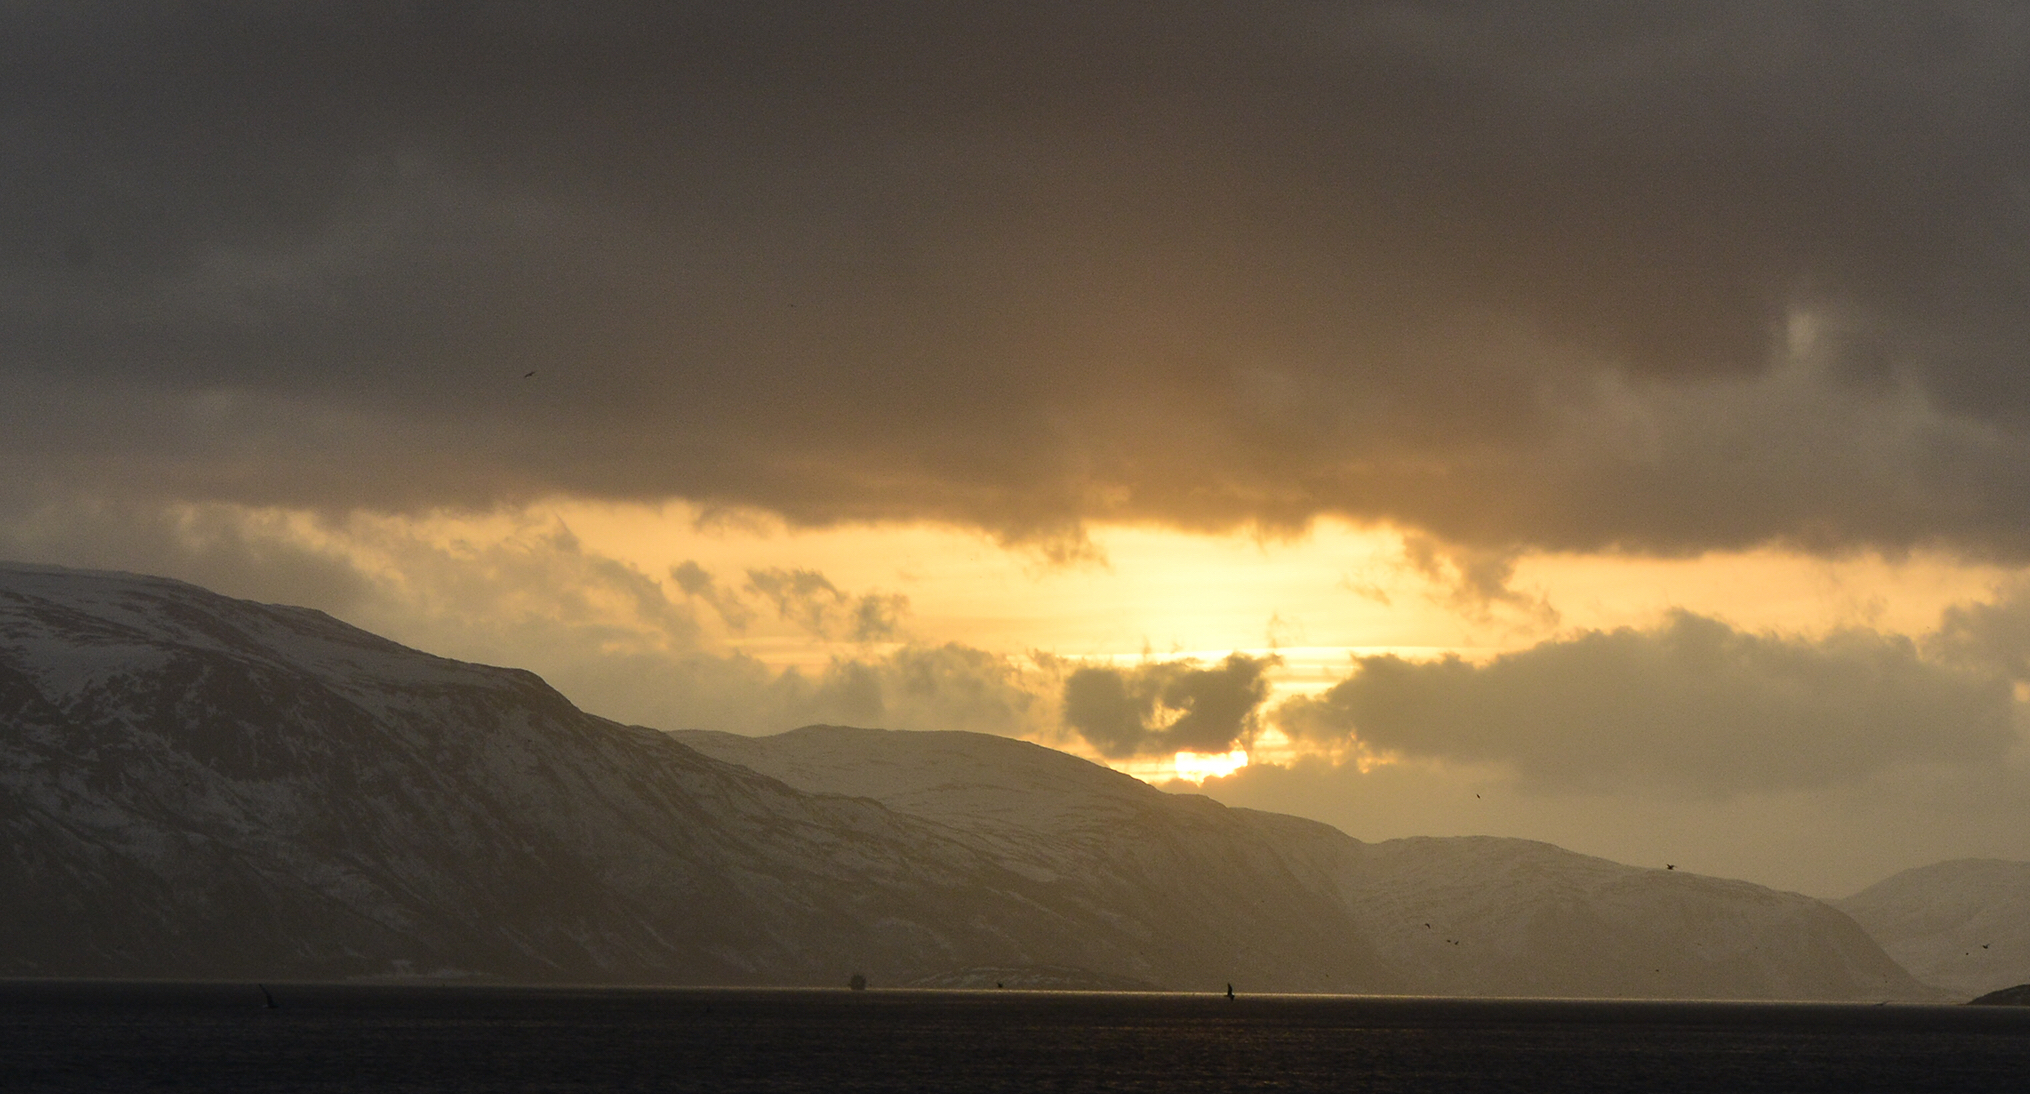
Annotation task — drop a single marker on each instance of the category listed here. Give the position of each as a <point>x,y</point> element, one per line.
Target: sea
<point>118,1037</point>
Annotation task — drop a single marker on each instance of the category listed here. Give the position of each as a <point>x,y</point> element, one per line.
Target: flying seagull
<point>528,374</point>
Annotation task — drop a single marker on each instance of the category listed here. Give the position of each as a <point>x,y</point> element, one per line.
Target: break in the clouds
<point>1162,707</point>
<point>1691,704</point>
<point>1574,276</point>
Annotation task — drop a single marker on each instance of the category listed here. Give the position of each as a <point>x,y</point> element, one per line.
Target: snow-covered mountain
<point>1963,925</point>
<point>192,785</point>
<point>1151,861</point>
<point>1478,916</point>
<point>196,786</point>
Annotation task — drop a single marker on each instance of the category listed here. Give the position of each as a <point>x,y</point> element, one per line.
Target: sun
<point>1196,767</point>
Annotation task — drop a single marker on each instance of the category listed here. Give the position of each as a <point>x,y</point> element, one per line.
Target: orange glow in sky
<point>1309,604</point>
<point>1196,768</point>
<point>1316,599</point>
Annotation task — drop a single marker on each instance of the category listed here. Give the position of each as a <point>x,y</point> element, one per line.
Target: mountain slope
<point>1963,925</point>
<point>196,786</point>
<point>1506,916</point>
<point>1159,864</point>
<point>1479,915</point>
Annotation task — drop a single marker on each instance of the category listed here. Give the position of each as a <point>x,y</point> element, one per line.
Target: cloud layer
<point>1166,706</point>
<point>1816,761</point>
<point>1691,705</point>
<point>1576,277</point>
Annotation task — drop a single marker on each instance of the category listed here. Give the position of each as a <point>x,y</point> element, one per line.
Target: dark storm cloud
<point>1166,706</point>
<point>1566,276</point>
<point>1692,703</point>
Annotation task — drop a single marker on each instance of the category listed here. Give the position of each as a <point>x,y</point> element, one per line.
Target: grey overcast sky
<point>1470,268</point>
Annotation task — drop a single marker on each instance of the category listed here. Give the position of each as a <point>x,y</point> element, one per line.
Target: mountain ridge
<point>1962,924</point>
<point>192,785</point>
<point>1474,915</point>
<point>197,786</point>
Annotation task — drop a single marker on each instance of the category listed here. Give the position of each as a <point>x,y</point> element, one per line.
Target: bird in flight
<point>528,374</point>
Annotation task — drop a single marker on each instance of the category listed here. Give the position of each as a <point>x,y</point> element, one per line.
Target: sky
<point>1604,424</point>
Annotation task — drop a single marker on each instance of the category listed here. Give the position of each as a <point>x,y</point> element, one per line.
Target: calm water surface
<point>217,1037</point>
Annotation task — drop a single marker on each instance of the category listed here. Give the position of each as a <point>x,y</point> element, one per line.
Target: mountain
<point>1479,915</point>
<point>1465,916</point>
<point>1962,925</point>
<point>196,786</point>
<point>1151,861</point>
<point>2018,996</point>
